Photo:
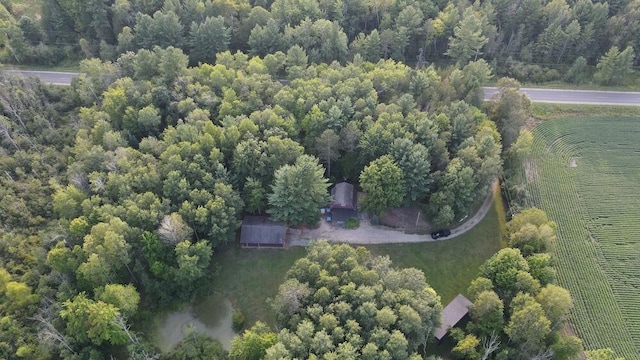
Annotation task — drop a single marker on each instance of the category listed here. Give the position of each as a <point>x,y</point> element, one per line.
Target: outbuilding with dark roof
<point>261,232</point>
<point>344,203</point>
<point>455,311</point>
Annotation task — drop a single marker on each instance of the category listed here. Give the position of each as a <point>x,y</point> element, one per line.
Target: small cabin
<point>344,200</point>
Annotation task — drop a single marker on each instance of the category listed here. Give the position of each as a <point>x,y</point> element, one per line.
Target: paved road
<point>536,95</point>
<point>594,97</point>
<point>48,77</point>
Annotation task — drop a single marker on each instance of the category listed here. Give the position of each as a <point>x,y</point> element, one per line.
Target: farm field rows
<point>585,173</point>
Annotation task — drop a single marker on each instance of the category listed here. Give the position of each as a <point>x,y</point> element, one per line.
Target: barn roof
<point>259,230</point>
<point>452,314</point>
<point>344,196</point>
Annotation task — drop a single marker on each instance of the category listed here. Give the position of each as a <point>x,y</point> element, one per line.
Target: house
<point>344,203</point>
<point>455,311</point>
<point>260,232</point>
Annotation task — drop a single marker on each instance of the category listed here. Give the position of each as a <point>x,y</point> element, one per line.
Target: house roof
<point>344,196</point>
<point>452,314</point>
<point>261,230</point>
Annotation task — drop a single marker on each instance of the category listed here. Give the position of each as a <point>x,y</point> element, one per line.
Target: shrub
<point>352,224</point>
<point>237,320</point>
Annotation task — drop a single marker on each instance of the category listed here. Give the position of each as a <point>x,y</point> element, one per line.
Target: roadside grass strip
<point>588,181</point>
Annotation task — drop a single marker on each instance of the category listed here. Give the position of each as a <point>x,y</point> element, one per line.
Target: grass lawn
<point>544,111</point>
<point>248,276</point>
<point>451,265</point>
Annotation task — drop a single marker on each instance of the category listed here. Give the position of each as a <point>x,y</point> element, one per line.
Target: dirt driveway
<point>370,234</point>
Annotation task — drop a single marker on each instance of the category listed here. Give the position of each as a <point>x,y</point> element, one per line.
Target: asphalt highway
<point>594,97</point>
<point>48,77</point>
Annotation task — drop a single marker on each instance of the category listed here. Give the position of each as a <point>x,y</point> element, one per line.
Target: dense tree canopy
<point>116,191</point>
<point>341,301</point>
<point>529,40</point>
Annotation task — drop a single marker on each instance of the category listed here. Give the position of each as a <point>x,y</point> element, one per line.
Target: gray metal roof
<point>452,314</point>
<point>261,230</point>
<point>344,196</point>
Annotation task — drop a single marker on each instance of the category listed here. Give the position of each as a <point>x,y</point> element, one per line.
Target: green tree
<point>327,147</point>
<point>467,348</point>
<point>163,29</point>
<point>124,297</point>
<point>541,269</point>
<point>576,73</point>
<point>324,41</point>
<point>487,314</point>
<point>503,269</point>
<point>266,39</point>
<point>208,38</point>
<point>414,161</point>
<point>67,201</point>
<point>88,320</point>
<point>468,38</point>
<point>107,252</point>
<point>531,231</point>
<point>556,302</point>
<point>196,346</point>
<point>528,326</point>
<point>343,300</point>
<point>615,67</point>
<point>253,343</point>
<point>567,347</point>
<point>522,147</point>
<point>298,192</point>
<point>510,110</point>
<point>193,261</point>
<point>602,354</point>
<point>383,182</point>
<point>254,196</point>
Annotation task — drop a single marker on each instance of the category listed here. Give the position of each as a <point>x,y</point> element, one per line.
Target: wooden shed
<point>261,232</point>
<point>455,311</point>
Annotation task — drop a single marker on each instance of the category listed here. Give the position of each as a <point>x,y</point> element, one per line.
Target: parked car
<point>440,234</point>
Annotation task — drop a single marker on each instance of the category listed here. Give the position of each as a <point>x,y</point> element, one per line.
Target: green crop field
<point>585,173</point>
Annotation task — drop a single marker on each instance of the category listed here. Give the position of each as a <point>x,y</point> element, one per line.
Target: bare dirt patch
<point>530,171</point>
<point>408,219</point>
<point>573,163</point>
<point>531,123</point>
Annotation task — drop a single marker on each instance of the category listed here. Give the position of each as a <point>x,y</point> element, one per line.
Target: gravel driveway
<point>374,234</point>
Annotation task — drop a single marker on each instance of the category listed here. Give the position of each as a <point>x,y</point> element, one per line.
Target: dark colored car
<point>440,234</point>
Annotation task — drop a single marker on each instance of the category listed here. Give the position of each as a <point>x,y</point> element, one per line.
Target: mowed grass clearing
<point>585,173</point>
<point>248,276</point>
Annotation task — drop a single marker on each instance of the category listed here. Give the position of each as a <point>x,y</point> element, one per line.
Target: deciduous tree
<point>253,343</point>
<point>343,300</point>
<point>298,192</point>
<point>383,182</point>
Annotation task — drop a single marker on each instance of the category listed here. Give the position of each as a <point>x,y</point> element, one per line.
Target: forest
<point>116,191</point>
<point>136,187</point>
<point>529,40</point>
